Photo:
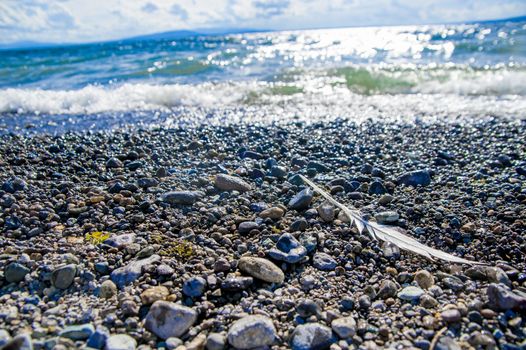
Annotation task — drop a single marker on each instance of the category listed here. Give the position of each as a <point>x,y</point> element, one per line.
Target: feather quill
<point>386,233</point>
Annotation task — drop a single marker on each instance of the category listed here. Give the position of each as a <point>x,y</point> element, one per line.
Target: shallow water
<point>440,71</point>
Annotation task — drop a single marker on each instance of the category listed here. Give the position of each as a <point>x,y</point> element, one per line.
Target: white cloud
<point>96,20</point>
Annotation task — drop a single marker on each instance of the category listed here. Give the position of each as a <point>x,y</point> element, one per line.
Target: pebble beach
<point>205,237</point>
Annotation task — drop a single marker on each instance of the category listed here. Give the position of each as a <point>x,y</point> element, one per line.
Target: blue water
<point>477,68</point>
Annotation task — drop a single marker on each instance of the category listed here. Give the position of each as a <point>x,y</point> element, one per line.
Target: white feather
<point>387,233</point>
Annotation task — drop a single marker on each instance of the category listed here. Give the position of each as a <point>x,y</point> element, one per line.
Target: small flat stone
<point>252,332</point>
<point>272,213</point>
<point>194,287</point>
<point>131,272</point>
<point>324,262</point>
<point>181,197</point>
<point>301,200</point>
<point>166,319</point>
<point>288,249</point>
<point>231,183</point>
<point>410,293</point>
<point>424,279</point>
<point>77,332</point>
<point>15,272</point>
<point>120,241</point>
<point>262,269</point>
<point>387,217</point>
<point>415,178</point>
<point>247,226</point>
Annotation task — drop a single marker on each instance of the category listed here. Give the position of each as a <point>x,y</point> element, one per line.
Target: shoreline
<point>352,291</point>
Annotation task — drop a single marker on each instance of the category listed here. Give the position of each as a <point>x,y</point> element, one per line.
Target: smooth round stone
<point>388,289</point>
<point>230,183</point>
<point>451,315</point>
<point>181,197</point>
<point>215,341</point>
<point>415,178</point>
<point>385,199</point>
<point>247,226</point>
<point>113,163</point>
<point>262,269</point>
<point>301,200</point>
<point>120,342</point>
<point>410,293</point>
<point>324,262</point>
<point>252,332</point>
<point>62,277</point>
<point>151,295</point>
<point>15,272</point>
<point>312,336</point>
<point>424,279</point>
<point>272,213</point>
<point>166,319</point>
<point>107,289</point>
<point>194,287</point>
<point>345,327</point>
<point>121,241</point>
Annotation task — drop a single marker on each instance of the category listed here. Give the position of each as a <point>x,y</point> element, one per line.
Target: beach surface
<point>171,237</point>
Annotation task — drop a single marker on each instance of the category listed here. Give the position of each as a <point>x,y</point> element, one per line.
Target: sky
<point>61,21</point>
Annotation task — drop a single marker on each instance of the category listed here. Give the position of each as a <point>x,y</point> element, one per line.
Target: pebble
<point>98,338</point>
<point>194,287</point>
<point>312,336</point>
<point>166,319</point>
<point>288,249</point>
<point>247,226</point>
<point>231,183</point>
<point>151,295</point>
<point>215,341</point>
<point>344,327</point>
<point>324,262</point>
<point>274,213</point>
<point>410,293</point>
<point>387,217</point>
<point>62,277</point>
<point>180,197</point>
<point>301,200</point>
<point>261,269</point>
<point>415,178</point>
<point>326,212</point>
<point>121,342</point>
<point>451,315</point>
<point>252,332</point>
<point>424,279</point>
<point>131,272</point>
<point>77,332</point>
<point>15,272</point>
<point>501,297</point>
<point>107,289</point>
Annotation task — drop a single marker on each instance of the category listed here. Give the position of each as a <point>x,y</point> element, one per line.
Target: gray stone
<point>345,327</point>
<point>121,342</point>
<point>120,241</point>
<point>20,342</point>
<point>447,343</point>
<point>107,289</point>
<point>288,249</point>
<point>388,289</point>
<point>262,269</point>
<point>273,213</point>
<point>215,341</point>
<point>324,262</point>
<point>181,197</point>
<point>410,293</point>
<point>415,178</point>
<point>501,297</point>
<point>231,183</point>
<point>424,279</point>
<point>98,338</point>
<point>77,332</point>
<point>234,284</point>
<point>301,200</point>
<point>194,287</point>
<point>166,319</point>
<point>312,336</point>
<point>15,272</point>
<point>4,337</point>
<point>62,277</point>
<point>113,163</point>
<point>387,217</point>
<point>131,272</point>
<point>252,332</point>
<point>247,226</point>
<point>326,212</point>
